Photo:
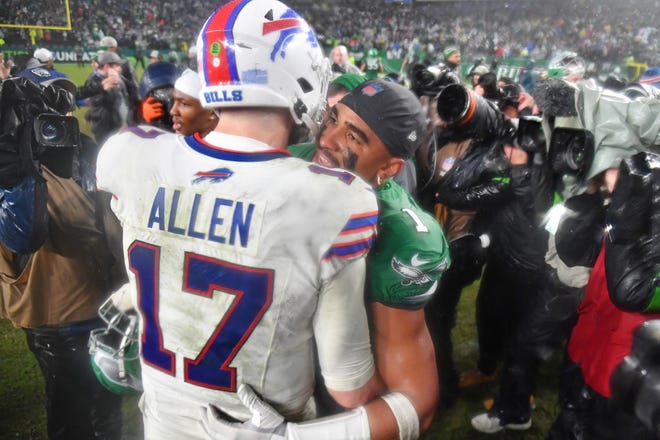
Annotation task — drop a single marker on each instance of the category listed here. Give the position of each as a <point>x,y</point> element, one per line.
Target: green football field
<point>22,415</point>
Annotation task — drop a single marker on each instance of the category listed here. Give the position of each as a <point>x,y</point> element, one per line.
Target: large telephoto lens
<point>468,115</point>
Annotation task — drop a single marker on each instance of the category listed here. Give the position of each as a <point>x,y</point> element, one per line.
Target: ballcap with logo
<point>48,77</point>
<point>392,111</point>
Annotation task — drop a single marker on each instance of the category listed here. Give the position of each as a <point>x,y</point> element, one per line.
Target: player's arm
<point>342,336</point>
<point>406,362</point>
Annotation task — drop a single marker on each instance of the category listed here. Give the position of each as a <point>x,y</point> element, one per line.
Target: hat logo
<point>412,137</point>
<point>39,71</point>
<point>372,89</point>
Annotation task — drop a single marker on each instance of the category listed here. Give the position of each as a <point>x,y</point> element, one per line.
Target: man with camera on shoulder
<point>57,261</point>
<point>610,377</point>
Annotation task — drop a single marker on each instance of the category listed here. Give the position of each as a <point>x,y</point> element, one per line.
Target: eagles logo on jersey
<point>410,254</point>
<point>413,274</point>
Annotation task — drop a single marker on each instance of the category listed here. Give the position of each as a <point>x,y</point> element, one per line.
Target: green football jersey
<point>303,151</point>
<point>409,255</point>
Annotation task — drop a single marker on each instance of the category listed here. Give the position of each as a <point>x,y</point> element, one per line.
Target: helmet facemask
<point>114,350</point>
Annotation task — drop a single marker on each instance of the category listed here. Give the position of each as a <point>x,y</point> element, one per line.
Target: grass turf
<point>21,390</point>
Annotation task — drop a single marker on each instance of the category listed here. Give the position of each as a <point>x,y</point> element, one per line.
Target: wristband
<point>405,415</point>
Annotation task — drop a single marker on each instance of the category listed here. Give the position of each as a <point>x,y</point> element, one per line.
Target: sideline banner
<point>506,67</point>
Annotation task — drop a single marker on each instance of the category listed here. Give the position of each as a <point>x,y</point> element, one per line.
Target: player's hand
<point>152,109</point>
<point>266,423</point>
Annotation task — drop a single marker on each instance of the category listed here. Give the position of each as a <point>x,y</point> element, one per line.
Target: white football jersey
<point>229,245</point>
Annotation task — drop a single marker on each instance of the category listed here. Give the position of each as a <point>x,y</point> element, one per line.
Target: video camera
<point>34,128</point>
<point>430,80</point>
<point>53,130</point>
<point>635,382</point>
<point>571,151</point>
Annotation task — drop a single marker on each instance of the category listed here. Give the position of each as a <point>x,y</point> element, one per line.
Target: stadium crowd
<point>600,31</point>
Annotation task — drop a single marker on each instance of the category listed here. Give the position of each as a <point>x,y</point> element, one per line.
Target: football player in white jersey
<point>241,258</point>
<point>373,130</point>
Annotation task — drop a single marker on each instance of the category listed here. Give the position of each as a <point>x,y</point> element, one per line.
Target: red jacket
<point>603,334</point>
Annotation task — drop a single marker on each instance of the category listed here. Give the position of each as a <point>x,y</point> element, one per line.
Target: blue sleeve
<point>24,215</point>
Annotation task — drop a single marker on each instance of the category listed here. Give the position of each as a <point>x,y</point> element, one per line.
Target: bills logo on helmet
<point>289,25</point>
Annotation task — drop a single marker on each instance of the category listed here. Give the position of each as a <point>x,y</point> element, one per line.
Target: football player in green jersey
<point>371,132</point>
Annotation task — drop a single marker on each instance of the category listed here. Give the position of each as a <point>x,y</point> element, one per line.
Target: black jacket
<point>510,200</point>
<point>108,109</point>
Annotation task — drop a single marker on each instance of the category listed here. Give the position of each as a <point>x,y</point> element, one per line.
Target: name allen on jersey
<point>191,214</point>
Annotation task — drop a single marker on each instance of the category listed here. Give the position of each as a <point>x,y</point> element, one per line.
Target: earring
<point>378,180</point>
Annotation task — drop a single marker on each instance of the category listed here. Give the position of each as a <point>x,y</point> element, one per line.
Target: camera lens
<point>575,156</point>
<point>455,104</point>
<point>52,131</point>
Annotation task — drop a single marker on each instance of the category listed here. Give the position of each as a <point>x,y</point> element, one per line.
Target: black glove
<point>628,214</point>
<point>579,236</point>
<point>632,253</point>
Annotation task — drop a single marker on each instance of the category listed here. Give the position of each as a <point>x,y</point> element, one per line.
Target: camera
<point>530,136</point>
<point>571,151</point>
<point>429,81</point>
<point>55,141</point>
<point>53,130</point>
<point>635,382</point>
<point>470,116</point>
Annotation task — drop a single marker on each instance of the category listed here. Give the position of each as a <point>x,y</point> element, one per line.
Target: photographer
<point>470,173</point>
<point>60,246</point>
<point>611,372</point>
<point>503,178</point>
<point>512,284</point>
<point>110,108</point>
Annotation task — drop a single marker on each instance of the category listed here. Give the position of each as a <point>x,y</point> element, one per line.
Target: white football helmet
<point>261,53</point>
<point>566,63</point>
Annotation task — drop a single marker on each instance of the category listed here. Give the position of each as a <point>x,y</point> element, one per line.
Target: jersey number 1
<point>252,289</point>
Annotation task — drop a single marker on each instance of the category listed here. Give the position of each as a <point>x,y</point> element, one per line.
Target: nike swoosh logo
<point>416,261</point>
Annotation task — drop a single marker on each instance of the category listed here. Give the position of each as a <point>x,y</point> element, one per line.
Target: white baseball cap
<point>43,55</point>
<point>108,41</point>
